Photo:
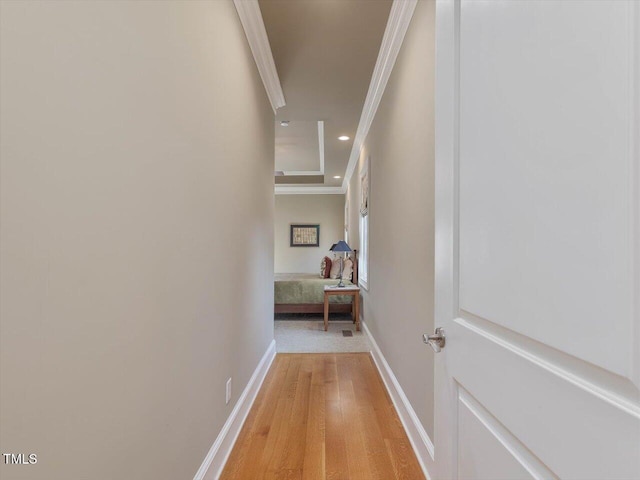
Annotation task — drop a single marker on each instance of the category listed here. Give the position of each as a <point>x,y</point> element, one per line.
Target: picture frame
<point>304,235</point>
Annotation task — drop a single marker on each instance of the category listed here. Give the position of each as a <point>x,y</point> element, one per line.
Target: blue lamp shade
<point>341,246</point>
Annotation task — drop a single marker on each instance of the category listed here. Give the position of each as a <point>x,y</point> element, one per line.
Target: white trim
<point>219,452</point>
<point>397,25</point>
<point>420,441</point>
<point>253,24</point>
<point>301,173</point>
<point>295,190</point>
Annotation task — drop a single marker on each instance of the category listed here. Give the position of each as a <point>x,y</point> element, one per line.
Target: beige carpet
<point>308,336</point>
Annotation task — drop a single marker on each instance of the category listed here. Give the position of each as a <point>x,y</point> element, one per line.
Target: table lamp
<point>342,247</point>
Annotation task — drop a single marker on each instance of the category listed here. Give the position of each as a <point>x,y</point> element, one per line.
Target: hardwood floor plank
<point>292,455</point>
<point>388,420</point>
<point>378,455</point>
<point>369,393</point>
<point>359,468</point>
<point>322,417</point>
<point>336,465</point>
<point>284,475</point>
<point>314,455</point>
<point>405,465</point>
<point>277,444</point>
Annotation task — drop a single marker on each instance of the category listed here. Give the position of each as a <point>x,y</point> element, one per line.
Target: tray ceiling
<point>325,52</point>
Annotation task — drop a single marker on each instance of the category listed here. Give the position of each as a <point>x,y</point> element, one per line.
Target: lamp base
<point>341,285</point>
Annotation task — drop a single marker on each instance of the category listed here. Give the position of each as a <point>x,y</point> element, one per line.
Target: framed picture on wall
<point>305,236</point>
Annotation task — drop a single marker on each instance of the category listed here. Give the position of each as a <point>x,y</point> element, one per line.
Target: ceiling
<point>324,52</point>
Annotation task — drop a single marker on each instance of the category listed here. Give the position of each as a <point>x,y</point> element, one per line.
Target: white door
<point>538,239</point>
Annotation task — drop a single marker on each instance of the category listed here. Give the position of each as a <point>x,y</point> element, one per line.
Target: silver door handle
<point>436,341</point>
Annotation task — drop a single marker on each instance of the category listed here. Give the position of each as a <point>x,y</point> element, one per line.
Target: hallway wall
<point>137,234</point>
<point>326,210</point>
<point>398,307</point>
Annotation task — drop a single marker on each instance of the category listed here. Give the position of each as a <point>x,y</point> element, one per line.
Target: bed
<point>304,292</point>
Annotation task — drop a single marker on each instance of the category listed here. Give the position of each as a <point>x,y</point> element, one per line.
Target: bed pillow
<point>347,271</point>
<point>335,268</point>
<point>325,267</point>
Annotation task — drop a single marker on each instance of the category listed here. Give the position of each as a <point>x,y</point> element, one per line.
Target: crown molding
<point>397,25</point>
<point>301,173</point>
<point>253,24</point>
<point>295,190</point>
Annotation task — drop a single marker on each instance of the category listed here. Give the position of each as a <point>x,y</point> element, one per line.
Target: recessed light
<point>344,138</point>
<point>336,176</point>
<point>284,123</point>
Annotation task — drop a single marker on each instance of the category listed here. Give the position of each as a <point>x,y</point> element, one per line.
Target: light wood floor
<point>322,416</point>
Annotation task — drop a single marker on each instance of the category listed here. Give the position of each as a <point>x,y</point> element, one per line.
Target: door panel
<point>538,239</point>
<point>486,450</point>
<point>545,183</point>
<point>568,423</point>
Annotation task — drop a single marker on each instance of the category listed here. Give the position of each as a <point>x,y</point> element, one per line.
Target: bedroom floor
<point>307,335</point>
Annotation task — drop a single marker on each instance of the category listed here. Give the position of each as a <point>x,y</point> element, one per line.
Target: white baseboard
<point>214,462</point>
<point>420,441</point>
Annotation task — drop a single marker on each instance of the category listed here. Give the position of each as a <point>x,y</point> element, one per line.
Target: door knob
<point>436,341</point>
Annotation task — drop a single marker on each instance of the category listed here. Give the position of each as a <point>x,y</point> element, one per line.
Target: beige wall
<point>136,236</point>
<point>398,307</point>
<point>326,210</point>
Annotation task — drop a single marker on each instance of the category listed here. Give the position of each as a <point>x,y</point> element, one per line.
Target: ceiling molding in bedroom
<point>294,190</point>
<point>253,24</point>
<point>314,190</point>
<point>397,25</point>
<point>294,173</point>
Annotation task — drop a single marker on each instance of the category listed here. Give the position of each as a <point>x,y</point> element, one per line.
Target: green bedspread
<point>305,288</point>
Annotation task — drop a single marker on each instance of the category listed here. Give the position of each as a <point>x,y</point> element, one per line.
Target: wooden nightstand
<point>352,290</point>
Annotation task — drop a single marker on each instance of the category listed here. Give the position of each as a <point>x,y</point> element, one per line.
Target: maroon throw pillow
<point>325,267</point>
